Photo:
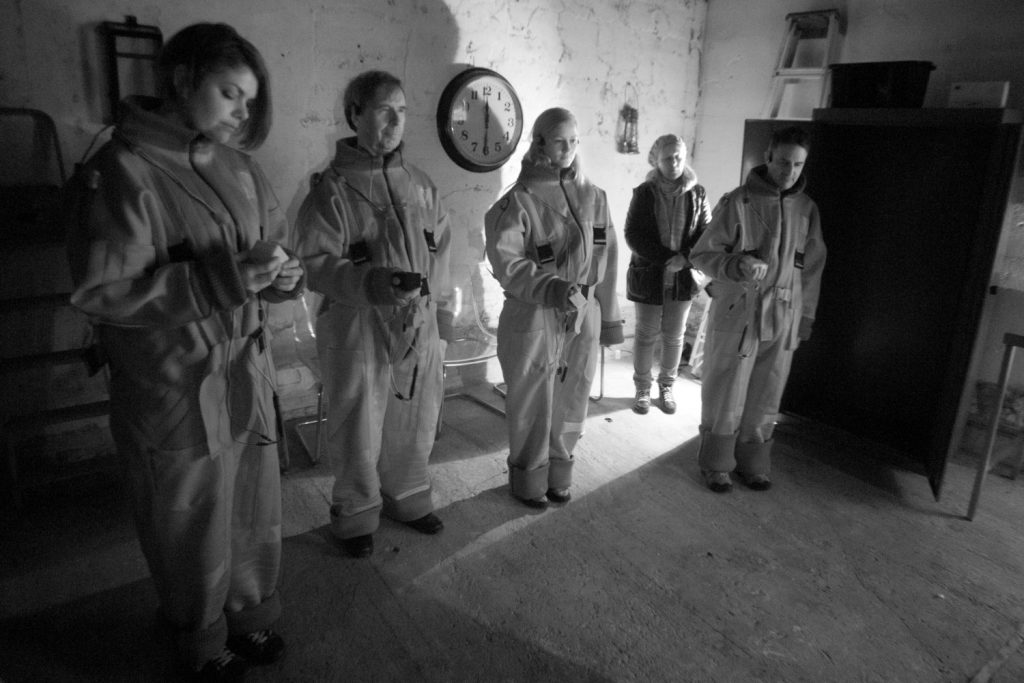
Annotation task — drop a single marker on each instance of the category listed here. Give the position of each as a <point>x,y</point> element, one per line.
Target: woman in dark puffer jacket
<point>667,214</point>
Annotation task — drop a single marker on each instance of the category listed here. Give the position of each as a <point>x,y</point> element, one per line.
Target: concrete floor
<point>847,570</point>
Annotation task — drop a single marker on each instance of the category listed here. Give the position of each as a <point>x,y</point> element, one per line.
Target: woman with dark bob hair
<point>175,248</point>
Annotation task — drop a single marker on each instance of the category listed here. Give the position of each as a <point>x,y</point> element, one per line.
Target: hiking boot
<point>258,647</point>
<point>225,666</point>
<point>642,402</point>
<point>668,402</point>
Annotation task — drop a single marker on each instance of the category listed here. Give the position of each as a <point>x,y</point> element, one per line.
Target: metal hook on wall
<point>626,130</point>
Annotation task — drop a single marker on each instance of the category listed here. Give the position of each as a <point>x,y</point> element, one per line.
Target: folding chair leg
<point>319,422</point>
<point>993,431</point>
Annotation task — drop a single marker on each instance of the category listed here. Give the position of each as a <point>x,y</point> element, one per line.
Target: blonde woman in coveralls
<point>174,249</point>
<point>765,253</point>
<point>552,246</point>
<point>368,218</point>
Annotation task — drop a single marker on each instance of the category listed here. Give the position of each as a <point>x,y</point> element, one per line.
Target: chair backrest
<point>304,330</point>
<point>31,149</point>
<point>31,177</point>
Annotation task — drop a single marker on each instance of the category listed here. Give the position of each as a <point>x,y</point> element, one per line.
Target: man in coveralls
<point>375,241</point>
<point>765,253</point>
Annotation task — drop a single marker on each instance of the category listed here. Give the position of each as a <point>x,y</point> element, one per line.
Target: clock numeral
<point>511,123</point>
<point>474,145</point>
<point>464,135</point>
<point>474,95</point>
<point>497,146</point>
<point>508,106</point>
<point>487,90</point>
<point>508,136</point>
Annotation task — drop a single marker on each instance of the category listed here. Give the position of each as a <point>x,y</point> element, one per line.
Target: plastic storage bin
<point>880,84</point>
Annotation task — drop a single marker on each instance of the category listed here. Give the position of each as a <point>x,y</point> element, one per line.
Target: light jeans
<point>668,321</point>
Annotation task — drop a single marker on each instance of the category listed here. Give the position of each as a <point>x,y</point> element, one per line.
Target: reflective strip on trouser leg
<point>572,396</point>
<point>753,457</point>
<point>527,354</point>
<point>724,379</point>
<point>764,391</point>
<point>409,429</point>
<point>356,375</point>
<point>717,452</point>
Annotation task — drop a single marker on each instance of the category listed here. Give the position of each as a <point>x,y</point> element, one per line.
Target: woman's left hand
<point>291,273</point>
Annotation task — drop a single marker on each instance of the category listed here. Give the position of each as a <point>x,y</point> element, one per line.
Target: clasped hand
<point>676,263</point>
<point>753,268</point>
<point>267,264</point>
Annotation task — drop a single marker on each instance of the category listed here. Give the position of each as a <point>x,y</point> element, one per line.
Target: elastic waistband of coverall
<point>585,290</point>
<point>760,322</point>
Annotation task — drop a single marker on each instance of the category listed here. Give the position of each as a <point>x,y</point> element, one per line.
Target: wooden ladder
<point>801,79</point>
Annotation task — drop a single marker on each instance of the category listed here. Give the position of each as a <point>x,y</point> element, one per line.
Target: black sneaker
<point>258,647</point>
<point>427,524</point>
<point>560,496</point>
<point>756,482</point>
<point>226,666</point>
<point>719,482</point>
<point>358,546</point>
<point>535,503</point>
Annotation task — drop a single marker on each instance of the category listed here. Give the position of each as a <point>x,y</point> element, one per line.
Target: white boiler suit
<point>157,217</point>
<point>753,327</point>
<point>381,363</point>
<point>550,232</point>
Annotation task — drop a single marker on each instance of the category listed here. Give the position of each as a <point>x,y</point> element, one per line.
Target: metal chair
<point>475,343</point>
<point>30,177</point>
<point>1012,342</point>
<point>304,333</point>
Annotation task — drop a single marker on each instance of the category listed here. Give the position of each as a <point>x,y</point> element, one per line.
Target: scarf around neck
<point>671,206</point>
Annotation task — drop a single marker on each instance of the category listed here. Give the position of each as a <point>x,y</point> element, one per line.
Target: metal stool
<point>1012,343</point>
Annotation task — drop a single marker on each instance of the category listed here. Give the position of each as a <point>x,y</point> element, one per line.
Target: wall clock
<point>479,119</point>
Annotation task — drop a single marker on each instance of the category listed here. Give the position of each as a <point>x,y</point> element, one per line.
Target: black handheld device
<point>406,281</point>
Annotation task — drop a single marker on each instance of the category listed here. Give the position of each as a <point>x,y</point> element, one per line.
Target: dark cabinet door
<point>912,204</point>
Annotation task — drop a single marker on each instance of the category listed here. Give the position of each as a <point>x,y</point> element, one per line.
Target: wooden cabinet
<point>912,203</point>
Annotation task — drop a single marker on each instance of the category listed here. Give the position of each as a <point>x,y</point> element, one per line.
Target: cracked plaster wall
<point>580,54</point>
<point>574,53</point>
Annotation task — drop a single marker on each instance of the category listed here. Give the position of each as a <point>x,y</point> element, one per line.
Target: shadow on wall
<point>416,42</point>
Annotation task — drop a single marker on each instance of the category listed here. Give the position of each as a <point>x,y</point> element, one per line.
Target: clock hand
<point>487,122</point>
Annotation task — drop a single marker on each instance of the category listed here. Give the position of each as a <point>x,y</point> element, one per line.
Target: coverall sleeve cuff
<point>223,280</point>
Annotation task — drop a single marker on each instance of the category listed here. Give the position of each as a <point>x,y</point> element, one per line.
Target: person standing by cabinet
<point>765,254</point>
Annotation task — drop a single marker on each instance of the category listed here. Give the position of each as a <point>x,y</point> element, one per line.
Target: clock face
<point>479,120</point>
